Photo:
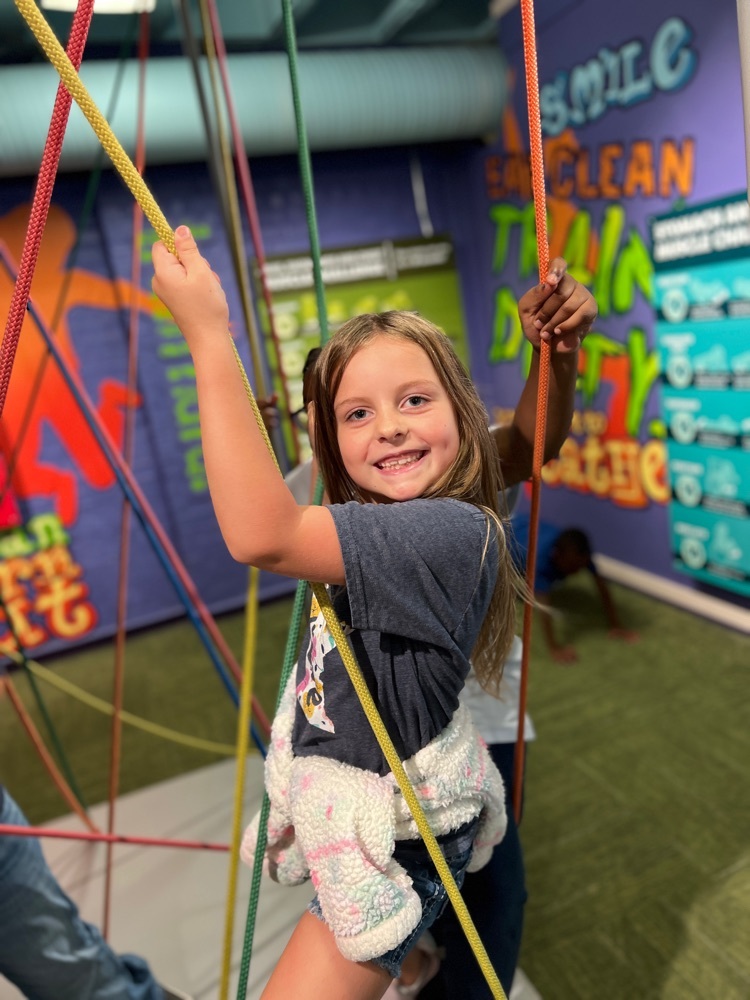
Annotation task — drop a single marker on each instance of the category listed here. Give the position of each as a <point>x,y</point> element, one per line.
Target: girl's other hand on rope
<point>269,411</point>
<point>189,288</point>
<point>560,311</point>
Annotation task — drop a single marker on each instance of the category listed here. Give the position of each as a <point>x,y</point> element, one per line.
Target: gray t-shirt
<point>419,578</point>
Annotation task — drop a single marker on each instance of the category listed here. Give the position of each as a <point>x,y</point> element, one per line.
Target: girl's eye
<point>413,401</point>
<point>358,414</point>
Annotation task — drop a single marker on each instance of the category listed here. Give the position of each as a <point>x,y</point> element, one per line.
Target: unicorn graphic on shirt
<point>310,693</point>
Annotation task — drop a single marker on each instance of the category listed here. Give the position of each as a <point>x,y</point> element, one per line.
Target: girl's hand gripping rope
<point>560,311</point>
<point>190,289</point>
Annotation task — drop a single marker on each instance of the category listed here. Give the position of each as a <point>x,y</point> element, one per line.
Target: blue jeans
<point>46,950</point>
<point>414,858</point>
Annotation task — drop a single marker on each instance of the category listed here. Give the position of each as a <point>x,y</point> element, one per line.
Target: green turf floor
<point>637,816</point>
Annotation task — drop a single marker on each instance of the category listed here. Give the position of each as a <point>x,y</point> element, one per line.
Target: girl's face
<point>396,426</point>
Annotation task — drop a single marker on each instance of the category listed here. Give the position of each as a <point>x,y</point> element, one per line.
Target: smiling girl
<point>413,549</point>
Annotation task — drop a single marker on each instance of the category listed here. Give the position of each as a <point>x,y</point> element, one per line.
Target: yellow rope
<point>251,620</point>
<point>132,178</point>
<point>243,728</point>
<point>100,705</point>
<point>120,159</point>
<point>59,59</point>
<point>394,762</point>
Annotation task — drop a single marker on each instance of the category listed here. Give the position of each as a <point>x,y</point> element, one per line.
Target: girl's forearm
<point>563,373</point>
<point>253,505</point>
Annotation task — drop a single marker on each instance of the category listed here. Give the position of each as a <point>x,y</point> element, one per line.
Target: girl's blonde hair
<point>474,476</point>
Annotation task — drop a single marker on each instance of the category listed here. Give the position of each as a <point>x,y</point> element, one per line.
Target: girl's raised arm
<point>560,311</point>
<point>261,523</point>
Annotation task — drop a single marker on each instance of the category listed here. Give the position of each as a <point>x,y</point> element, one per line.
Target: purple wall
<point>671,84</point>
<point>692,109</point>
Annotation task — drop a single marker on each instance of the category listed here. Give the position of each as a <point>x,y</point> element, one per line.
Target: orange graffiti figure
<point>55,409</point>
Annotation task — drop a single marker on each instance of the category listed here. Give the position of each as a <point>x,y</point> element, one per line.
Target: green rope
<point>303,154</point>
<point>305,169</point>
<point>40,704</point>
<point>290,657</point>
<point>349,661</point>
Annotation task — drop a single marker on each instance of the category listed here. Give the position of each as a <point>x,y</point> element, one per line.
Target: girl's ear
<point>311,424</point>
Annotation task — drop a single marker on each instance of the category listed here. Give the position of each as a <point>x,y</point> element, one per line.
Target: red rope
<point>46,758</point>
<point>251,207</point>
<point>42,198</point>
<point>540,212</point>
<point>7,829</point>
<point>112,453</point>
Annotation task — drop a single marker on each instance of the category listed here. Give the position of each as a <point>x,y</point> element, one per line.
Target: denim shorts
<point>415,859</point>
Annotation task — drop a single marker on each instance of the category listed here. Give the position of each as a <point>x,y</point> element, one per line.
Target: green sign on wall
<point>417,275</point>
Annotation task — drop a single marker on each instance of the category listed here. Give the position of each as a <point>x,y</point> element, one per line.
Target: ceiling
<point>257,25</point>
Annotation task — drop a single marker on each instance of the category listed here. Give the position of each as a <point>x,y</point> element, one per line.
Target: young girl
<point>414,552</point>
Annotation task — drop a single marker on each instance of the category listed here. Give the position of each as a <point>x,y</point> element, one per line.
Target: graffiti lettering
<point>45,598</point>
<point>628,473</point>
<point>621,270</point>
<point>640,369</point>
<point>40,532</point>
<point>619,78</point>
<point>589,422</point>
<point>180,375</point>
<point>617,171</point>
<point>613,170</point>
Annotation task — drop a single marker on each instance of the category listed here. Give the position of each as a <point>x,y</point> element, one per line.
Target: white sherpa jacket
<point>337,824</point>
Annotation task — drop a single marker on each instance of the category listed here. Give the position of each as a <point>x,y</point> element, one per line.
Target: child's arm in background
<point>561,312</point>
<point>616,629</point>
<point>259,519</point>
<point>559,652</point>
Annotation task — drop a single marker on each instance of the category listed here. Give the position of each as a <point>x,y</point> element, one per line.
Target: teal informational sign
<point>702,298</point>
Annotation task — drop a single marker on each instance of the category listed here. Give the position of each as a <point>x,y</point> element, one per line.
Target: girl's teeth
<point>397,463</point>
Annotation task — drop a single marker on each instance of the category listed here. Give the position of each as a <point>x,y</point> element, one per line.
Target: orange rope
<point>540,213</point>
<point>28,724</point>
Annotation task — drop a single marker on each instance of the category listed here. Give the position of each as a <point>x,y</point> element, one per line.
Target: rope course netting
<point>67,63</point>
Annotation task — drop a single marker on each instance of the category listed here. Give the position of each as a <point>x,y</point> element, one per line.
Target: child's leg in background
<point>495,897</point>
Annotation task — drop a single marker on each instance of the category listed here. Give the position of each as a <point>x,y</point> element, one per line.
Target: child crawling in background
<point>413,549</point>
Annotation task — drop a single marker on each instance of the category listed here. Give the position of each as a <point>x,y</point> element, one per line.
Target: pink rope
<point>8,830</point>
<point>251,207</point>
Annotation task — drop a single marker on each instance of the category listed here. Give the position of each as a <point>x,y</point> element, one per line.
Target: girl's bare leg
<point>311,966</point>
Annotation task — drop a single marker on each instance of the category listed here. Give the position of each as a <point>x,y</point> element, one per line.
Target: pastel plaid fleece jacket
<point>337,824</point>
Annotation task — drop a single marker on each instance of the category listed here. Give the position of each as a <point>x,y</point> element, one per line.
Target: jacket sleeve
<point>344,823</point>
<point>283,860</point>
